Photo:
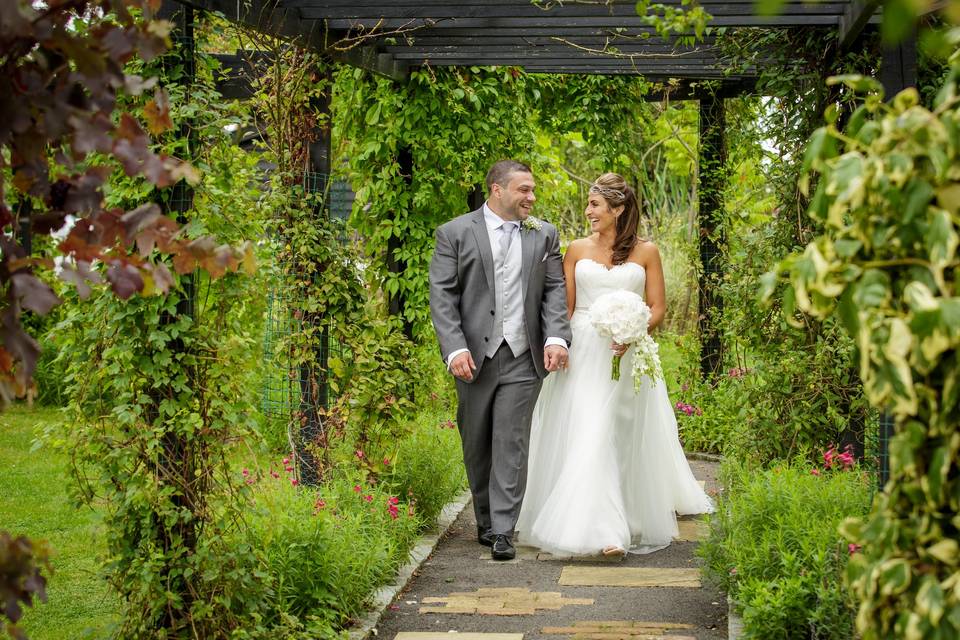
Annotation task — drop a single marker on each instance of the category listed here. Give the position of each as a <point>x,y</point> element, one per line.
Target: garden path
<point>459,593</point>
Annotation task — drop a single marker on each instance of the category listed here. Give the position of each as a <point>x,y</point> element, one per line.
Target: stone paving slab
<point>433,635</point>
<point>503,601</point>
<point>691,530</point>
<point>577,576</point>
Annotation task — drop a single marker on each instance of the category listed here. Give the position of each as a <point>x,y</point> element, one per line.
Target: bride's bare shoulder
<point>645,253</point>
<point>577,248</point>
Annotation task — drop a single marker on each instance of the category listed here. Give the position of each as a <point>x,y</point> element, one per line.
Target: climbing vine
<point>451,124</point>
<point>887,197</point>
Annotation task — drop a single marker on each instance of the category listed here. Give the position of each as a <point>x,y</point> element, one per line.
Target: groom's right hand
<point>463,366</point>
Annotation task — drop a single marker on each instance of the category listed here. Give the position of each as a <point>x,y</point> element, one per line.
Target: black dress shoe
<point>485,537</point>
<point>502,548</point>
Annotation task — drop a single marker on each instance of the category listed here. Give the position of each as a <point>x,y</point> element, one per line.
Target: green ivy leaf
<point>941,239</point>
<point>895,576</point>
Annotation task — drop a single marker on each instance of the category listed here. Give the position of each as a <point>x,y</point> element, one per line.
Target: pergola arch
<point>391,37</point>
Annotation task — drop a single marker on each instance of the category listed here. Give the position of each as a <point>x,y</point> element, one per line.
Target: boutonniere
<point>531,223</point>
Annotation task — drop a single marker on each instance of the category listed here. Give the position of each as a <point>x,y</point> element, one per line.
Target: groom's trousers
<point>493,415</point>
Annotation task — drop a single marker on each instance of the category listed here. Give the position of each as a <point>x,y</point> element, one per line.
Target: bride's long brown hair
<point>615,190</point>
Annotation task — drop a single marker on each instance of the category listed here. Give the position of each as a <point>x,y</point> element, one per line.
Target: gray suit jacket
<point>462,291</point>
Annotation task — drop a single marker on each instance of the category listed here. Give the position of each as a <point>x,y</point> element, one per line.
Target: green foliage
<point>149,445</point>
<point>454,123</point>
<point>34,501</point>
<point>325,553</point>
<point>886,266</point>
<point>427,465</point>
<point>774,547</point>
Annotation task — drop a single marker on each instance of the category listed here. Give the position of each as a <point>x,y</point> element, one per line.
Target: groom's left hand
<point>555,357</point>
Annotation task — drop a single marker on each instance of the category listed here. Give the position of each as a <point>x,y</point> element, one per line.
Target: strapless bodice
<point>595,279</point>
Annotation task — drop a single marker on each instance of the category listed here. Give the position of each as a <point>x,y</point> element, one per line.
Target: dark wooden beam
<point>382,63</point>
<point>712,159</point>
<point>634,23</point>
<point>898,67</point>
<point>516,10</point>
<point>855,17</point>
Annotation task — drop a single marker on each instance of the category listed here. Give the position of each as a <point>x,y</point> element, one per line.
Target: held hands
<point>555,357</point>
<point>463,366</point>
<point>619,349</point>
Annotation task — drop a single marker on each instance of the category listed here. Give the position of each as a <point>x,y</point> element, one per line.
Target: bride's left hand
<point>619,349</point>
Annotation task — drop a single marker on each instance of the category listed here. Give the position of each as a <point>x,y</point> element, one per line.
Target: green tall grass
<point>34,501</point>
<point>774,547</point>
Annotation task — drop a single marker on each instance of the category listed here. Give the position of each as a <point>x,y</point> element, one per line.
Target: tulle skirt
<point>606,468</point>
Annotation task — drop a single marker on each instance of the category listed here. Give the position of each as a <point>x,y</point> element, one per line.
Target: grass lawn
<point>34,502</point>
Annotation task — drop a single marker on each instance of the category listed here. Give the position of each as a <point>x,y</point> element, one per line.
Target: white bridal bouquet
<point>624,317</point>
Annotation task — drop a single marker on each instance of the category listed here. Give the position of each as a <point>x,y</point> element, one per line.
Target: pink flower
<point>368,498</point>
<point>286,461</point>
<point>852,548</point>
<point>246,472</point>
<point>394,512</point>
<point>294,481</point>
<point>733,571</point>
<point>393,500</point>
<point>846,459</point>
<point>359,454</point>
<point>815,472</point>
<point>288,469</point>
<point>274,473</point>
<point>356,488</point>
<point>320,503</point>
<point>828,456</point>
<point>386,461</point>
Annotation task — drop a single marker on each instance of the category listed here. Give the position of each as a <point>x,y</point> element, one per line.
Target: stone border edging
<point>420,552</point>
<point>708,457</point>
<point>734,622</point>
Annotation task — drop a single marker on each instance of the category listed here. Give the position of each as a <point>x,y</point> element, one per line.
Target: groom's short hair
<point>501,170</point>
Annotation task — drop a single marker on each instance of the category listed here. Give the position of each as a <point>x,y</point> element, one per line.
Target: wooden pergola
<point>393,37</point>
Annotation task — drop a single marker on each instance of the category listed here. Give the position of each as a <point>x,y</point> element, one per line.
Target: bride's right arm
<point>569,276</point>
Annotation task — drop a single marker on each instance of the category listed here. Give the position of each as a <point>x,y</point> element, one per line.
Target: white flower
<point>531,223</point>
<point>624,317</point>
<point>646,361</point>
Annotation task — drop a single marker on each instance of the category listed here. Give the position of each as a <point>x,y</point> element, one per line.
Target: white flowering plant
<point>624,317</point>
<point>529,224</point>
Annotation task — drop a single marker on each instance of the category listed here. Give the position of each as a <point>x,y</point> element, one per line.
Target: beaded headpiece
<point>608,192</point>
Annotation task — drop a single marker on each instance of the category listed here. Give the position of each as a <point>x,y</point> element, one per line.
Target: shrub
<point>428,467</point>
<point>326,551</point>
<point>787,401</point>
<point>775,548</point>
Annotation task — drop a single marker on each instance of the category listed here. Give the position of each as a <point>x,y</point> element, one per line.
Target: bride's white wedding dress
<point>606,468</point>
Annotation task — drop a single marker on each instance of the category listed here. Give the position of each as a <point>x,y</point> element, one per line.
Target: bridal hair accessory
<point>624,317</point>
<point>531,223</point>
<point>608,192</point>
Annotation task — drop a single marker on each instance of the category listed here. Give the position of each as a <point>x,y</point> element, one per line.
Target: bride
<point>606,470</point>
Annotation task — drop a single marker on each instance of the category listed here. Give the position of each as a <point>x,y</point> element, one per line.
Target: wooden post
<point>314,384</point>
<point>712,159</point>
<point>394,264</point>
<point>898,70</point>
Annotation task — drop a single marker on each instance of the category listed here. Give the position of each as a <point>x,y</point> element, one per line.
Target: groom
<point>498,304</point>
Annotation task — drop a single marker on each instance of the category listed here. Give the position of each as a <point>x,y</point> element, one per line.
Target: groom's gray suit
<point>496,407</point>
